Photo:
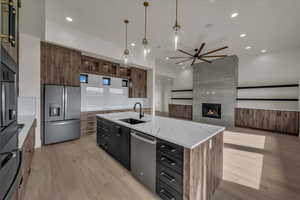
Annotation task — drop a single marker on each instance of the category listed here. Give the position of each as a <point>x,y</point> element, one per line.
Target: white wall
<point>272,68</point>
<point>32,20</point>
<point>163,94</point>
<point>29,83</point>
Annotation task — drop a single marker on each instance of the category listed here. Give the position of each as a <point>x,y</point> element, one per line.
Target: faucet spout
<point>141,113</point>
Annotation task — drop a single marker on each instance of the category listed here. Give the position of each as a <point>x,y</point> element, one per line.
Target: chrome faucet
<point>141,113</point>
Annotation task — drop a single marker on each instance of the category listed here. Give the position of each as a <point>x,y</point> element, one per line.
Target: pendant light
<point>176,30</point>
<point>146,47</point>
<point>126,51</point>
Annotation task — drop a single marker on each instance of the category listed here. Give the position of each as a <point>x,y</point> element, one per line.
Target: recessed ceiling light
<point>133,44</point>
<point>69,19</point>
<point>243,35</point>
<point>169,79</point>
<point>234,15</point>
<point>167,58</point>
<point>248,47</point>
<point>209,25</point>
<point>264,51</point>
<point>180,63</point>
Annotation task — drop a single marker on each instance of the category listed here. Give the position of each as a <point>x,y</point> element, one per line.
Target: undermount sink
<point>132,121</point>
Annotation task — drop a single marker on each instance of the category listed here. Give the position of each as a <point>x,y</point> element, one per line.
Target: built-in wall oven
<point>10,156</point>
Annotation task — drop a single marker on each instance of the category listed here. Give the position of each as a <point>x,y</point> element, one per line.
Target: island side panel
<point>203,169</point>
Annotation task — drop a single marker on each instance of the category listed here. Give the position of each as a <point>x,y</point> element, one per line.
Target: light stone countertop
<point>27,120</point>
<point>99,108</point>
<point>188,134</point>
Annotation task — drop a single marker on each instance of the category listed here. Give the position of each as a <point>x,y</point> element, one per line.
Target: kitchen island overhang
<point>202,149</point>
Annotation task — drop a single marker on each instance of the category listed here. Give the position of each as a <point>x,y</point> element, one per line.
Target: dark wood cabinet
<point>10,28</point>
<point>272,120</point>
<point>181,111</point>
<point>27,156</point>
<point>138,83</point>
<point>169,170</point>
<point>60,65</point>
<point>115,140</point>
<point>123,72</point>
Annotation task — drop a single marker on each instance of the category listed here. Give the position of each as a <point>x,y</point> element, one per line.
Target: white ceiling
<point>269,24</point>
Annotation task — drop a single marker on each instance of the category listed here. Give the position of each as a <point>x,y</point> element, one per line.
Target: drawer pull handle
<point>167,160</point>
<point>168,177</point>
<point>168,148</point>
<point>167,194</point>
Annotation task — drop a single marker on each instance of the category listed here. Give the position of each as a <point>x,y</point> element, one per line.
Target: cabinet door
<point>54,60</point>
<point>10,28</point>
<point>72,72</point>
<point>138,83</point>
<point>60,66</point>
<point>125,147</point>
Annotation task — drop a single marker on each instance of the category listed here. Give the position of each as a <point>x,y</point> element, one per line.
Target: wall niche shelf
<point>268,86</point>
<point>249,99</point>
<point>182,98</point>
<point>188,90</point>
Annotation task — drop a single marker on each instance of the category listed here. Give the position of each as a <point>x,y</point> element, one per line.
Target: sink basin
<point>132,121</point>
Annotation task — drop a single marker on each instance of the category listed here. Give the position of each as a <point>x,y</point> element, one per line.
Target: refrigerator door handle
<point>3,106</point>
<point>65,101</point>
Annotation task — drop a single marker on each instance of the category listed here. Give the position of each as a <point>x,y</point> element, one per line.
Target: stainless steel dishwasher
<point>143,159</point>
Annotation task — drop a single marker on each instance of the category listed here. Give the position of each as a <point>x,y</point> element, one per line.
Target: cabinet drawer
<point>170,177</point>
<point>169,149</point>
<point>167,193</point>
<point>171,163</point>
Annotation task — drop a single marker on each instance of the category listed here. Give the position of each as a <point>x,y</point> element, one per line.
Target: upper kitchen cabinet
<point>90,65</point>
<point>123,72</point>
<point>60,65</point>
<point>10,27</point>
<point>138,83</point>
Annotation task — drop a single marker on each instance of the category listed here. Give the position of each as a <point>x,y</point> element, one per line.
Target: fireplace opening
<point>211,110</point>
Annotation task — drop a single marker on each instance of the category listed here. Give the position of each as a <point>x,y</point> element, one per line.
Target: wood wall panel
<point>286,122</point>
<point>203,169</point>
<point>181,111</point>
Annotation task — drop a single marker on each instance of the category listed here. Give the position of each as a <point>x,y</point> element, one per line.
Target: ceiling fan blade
<point>201,48</point>
<point>213,51</point>
<point>177,57</point>
<point>216,56</point>
<point>194,61</point>
<point>182,51</point>
<point>208,61</point>
<point>183,61</point>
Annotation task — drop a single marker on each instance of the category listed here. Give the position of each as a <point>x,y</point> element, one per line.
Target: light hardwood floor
<point>257,165</point>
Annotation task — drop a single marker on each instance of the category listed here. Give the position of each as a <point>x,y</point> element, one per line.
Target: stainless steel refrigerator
<point>61,113</point>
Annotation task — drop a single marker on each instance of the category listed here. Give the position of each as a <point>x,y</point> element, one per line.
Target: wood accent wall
<point>88,121</point>
<point>203,169</point>
<point>286,122</point>
<point>181,111</point>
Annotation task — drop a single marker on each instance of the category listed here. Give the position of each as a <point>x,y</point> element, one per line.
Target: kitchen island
<point>189,155</point>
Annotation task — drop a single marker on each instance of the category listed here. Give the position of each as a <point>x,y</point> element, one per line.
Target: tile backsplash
<point>95,96</point>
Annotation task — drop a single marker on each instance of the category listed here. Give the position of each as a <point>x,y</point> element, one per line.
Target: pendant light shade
<point>126,53</point>
<point>146,47</point>
<point>176,32</point>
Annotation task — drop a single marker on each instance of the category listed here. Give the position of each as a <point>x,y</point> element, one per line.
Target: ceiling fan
<point>198,55</point>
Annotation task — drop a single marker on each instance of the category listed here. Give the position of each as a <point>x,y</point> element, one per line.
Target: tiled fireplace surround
<point>216,83</point>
